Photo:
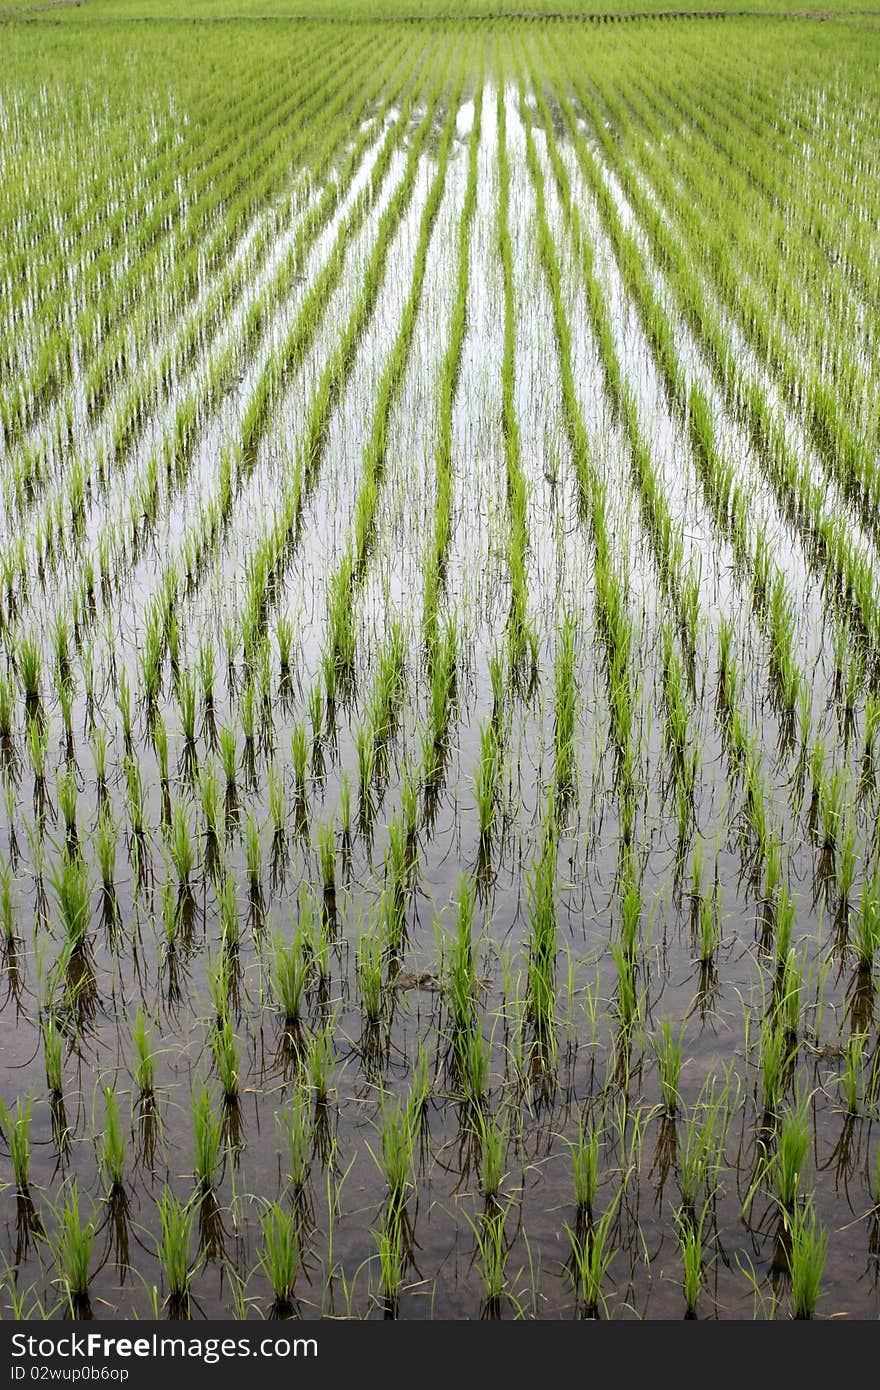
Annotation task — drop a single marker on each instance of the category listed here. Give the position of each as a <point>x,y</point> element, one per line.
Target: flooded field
<point>440,671</point>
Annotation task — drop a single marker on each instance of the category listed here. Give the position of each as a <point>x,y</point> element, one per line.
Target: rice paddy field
<point>439,664</point>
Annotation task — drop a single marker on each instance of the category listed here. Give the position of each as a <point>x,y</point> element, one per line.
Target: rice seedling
<point>176,1220</point>
<point>226,1059</point>
<point>792,1149</point>
<point>691,1245</point>
<point>279,1256</point>
<point>492,1254</point>
<point>851,1079</point>
<point>297,1126</point>
<point>16,1125</point>
<point>585,1170</point>
<point>73,1245</point>
<point>397,1135</point>
<point>320,1061</point>
<point>288,978</point>
<point>144,1075</point>
<point>53,1052</point>
<point>207,1141</point>
<point>669,1060</point>
<point>806,1260</point>
<point>391,1260</point>
<point>369,973</point>
<point>592,1255</point>
<point>112,1150</point>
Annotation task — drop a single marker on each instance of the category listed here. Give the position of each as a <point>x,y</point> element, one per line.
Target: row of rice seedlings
<point>434,564</point>
<point>521,640</point>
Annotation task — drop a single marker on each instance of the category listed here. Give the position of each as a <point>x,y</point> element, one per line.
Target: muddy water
<point>588,1072</point>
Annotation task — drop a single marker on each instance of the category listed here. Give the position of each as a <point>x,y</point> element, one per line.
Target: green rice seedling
<point>299,751</point>
<point>492,1253</point>
<point>180,845</point>
<point>493,1136</point>
<point>16,1125</point>
<point>710,929</point>
<point>592,1255</point>
<point>61,648</point>
<point>497,681</point>
<point>172,917</point>
<point>227,900</point>
<point>420,1084</point>
<point>391,1260</point>
<point>472,1064</point>
<point>220,976</point>
<point>176,1220</point>
<point>462,986</point>
<point>297,1126</point>
<point>277,802</point>
<point>160,745</point>
<point>65,704</point>
<point>320,1061</point>
<point>866,924</point>
<point>774,1057</point>
<point>253,854</point>
<point>486,779</point>
<point>691,1245</point>
<point>7,717</point>
<point>365,743</point>
<point>807,1251</point>
<point>627,999</point>
<point>279,1255</point>
<point>669,1052</point>
<point>832,794</point>
<point>209,797</point>
<point>851,1080</point>
<point>188,705</point>
<point>7,911</point>
<point>289,977</point>
<point>284,638</point>
<point>789,1161</point>
<point>585,1171</point>
<point>541,886</point>
<point>112,1144</point>
<point>69,878</point>
<point>207,1141</point>
<point>785,919</point>
<point>398,1141</point>
<point>565,708</point>
<point>228,756</point>
<point>37,739</point>
<point>701,1145</point>
<point>75,1242</point>
<point>29,670</point>
<point>345,807</point>
<point>125,710</point>
<point>226,1059</point>
<point>207,672</point>
<point>369,976</point>
<point>106,839</point>
<point>872,735</point>
<point>325,836</point>
<point>788,1007</point>
<point>144,1059</point>
<point>134,787</point>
